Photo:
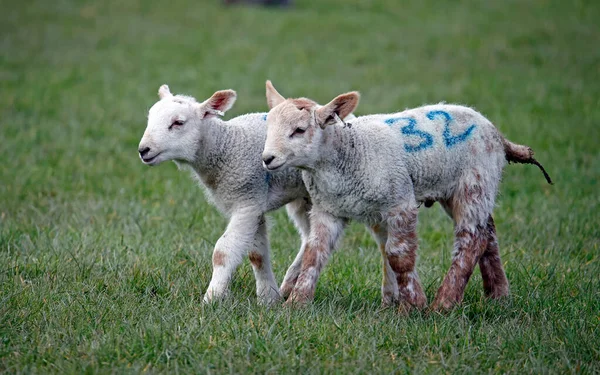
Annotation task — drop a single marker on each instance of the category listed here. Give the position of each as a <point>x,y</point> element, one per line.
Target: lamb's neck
<point>213,150</point>
<point>338,150</point>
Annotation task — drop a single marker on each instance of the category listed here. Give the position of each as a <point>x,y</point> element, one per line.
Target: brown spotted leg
<point>389,285</point>
<point>401,250</point>
<point>298,211</point>
<point>495,283</point>
<point>325,231</point>
<point>469,244</point>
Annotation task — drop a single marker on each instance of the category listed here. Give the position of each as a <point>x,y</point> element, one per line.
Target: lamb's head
<point>295,127</point>
<point>176,125</point>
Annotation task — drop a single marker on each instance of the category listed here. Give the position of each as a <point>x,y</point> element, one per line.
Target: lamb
<point>378,170</point>
<point>225,156</point>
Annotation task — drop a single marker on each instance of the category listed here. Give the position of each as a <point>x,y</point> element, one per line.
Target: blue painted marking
<point>268,178</point>
<point>449,139</point>
<point>409,129</point>
<point>264,118</point>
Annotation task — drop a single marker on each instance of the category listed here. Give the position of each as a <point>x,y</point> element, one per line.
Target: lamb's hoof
<point>269,297</point>
<point>296,300</point>
<point>498,293</point>
<point>213,296</point>
<point>404,308</point>
<point>209,299</point>
<point>442,306</point>
<point>388,301</point>
<point>286,289</point>
<point>420,302</point>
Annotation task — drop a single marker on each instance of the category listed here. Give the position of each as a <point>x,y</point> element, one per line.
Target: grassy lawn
<point>103,261</point>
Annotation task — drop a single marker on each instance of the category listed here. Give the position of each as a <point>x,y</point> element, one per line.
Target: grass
<point>103,261</point>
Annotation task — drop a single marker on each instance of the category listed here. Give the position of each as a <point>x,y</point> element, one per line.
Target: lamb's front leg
<point>230,250</point>
<point>298,212</point>
<point>260,257</point>
<point>401,250</point>
<point>325,231</point>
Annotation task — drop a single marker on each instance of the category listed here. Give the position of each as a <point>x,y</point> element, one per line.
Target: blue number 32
<point>409,129</point>
<point>427,139</point>
<point>449,139</point>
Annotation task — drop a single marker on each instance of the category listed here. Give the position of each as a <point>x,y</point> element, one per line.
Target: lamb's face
<point>295,128</point>
<point>292,135</point>
<point>176,125</point>
<point>172,133</point>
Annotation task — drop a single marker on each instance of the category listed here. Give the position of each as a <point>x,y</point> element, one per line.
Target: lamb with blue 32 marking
<point>378,170</point>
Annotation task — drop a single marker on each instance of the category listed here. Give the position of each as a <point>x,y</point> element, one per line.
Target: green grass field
<point>104,260</point>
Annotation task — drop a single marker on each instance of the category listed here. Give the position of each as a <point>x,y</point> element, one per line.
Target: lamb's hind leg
<point>470,209</point>
<point>298,211</point>
<point>260,257</point>
<point>495,283</point>
<point>401,250</point>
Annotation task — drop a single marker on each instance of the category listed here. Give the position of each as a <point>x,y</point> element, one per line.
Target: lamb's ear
<point>218,104</point>
<point>273,97</point>
<point>339,107</point>
<point>163,92</point>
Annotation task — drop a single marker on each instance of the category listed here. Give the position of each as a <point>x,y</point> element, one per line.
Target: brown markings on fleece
<point>256,259</point>
<point>495,283</point>
<point>218,258</point>
<point>468,247</point>
<point>473,148</point>
<point>402,256</point>
<point>489,147</point>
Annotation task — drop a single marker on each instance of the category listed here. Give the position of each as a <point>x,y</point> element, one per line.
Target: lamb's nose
<point>144,151</point>
<point>268,159</point>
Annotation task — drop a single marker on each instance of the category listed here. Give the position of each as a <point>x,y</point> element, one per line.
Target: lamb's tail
<point>522,154</point>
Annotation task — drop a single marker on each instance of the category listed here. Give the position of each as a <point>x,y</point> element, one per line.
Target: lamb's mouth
<point>150,160</point>
<point>272,167</point>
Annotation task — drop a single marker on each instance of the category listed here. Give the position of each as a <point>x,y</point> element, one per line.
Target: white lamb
<point>226,158</point>
<point>378,170</point>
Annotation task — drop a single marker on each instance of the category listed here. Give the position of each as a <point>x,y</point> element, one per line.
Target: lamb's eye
<point>298,131</point>
<point>176,123</point>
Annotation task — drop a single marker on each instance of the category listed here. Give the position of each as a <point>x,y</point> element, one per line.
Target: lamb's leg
<point>266,286</point>
<point>469,244</point>
<point>495,283</point>
<point>389,285</point>
<point>230,250</point>
<point>297,210</point>
<point>325,233</point>
<point>401,250</point>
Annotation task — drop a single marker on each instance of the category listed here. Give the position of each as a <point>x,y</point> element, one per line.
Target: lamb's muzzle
<point>271,162</point>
